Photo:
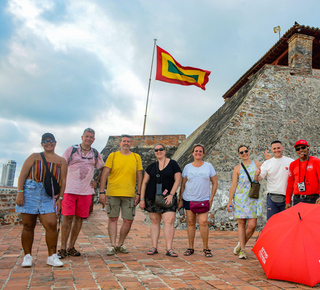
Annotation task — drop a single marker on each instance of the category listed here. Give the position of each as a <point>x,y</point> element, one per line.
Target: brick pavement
<point>136,270</point>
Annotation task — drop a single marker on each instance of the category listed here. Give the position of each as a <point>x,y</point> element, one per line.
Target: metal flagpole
<point>145,114</point>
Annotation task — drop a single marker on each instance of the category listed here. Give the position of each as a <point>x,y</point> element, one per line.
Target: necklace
<point>85,149</point>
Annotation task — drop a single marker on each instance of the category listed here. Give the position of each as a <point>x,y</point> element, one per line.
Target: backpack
<point>75,149</point>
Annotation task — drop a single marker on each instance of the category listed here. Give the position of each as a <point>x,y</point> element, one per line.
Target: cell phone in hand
<point>181,211</point>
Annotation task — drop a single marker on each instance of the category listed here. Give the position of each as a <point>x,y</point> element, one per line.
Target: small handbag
<point>199,206</point>
<point>160,197</point>
<point>50,183</point>
<point>255,186</point>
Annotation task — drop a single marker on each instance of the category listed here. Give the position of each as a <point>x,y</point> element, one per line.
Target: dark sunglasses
<point>86,157</point>
<point>245,151</point>
<point>48,141</point>
<point>302,147</point>
<point>160,149</point>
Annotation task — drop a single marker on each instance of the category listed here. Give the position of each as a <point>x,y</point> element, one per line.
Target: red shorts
<point>75,204</point>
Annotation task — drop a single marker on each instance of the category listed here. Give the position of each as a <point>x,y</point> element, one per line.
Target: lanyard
<point>305,173</point>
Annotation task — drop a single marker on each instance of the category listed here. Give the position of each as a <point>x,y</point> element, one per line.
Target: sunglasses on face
<point>160,149</point>
<point>302,147</point>
<point>245,151</point>
<point>48,141</point>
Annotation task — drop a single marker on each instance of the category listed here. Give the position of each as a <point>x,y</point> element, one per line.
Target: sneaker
<point>237,249</point>
<point>27,261</point>
<point>243,254</point>
<point>112,251</point>
<point>122,250</point>
<point>54,261</point>
<point>103,208</point>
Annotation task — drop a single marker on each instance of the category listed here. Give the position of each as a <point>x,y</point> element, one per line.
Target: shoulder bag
<point>255,186</point>
<point>50,183</point>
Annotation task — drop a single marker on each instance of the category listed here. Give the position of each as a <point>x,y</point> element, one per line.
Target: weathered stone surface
<point>276,103</point>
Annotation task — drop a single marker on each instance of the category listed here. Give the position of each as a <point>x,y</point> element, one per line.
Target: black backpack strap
<point>74,150</point>
<point>245,169</point>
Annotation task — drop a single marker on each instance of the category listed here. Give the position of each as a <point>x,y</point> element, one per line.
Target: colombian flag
<point>170,71</point>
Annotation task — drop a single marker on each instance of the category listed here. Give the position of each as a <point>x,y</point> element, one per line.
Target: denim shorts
<point>36,201</point>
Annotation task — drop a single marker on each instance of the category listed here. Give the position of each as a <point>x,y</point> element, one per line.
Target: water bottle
<point>230,213</point>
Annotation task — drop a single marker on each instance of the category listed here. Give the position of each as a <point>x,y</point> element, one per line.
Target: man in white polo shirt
<point>276,171</point>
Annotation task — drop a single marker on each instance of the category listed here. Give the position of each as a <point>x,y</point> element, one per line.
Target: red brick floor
<point>136,270</point>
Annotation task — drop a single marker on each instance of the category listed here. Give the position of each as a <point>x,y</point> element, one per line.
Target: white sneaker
<point>54,261</point>
<point>243,254</point>
<point>237,249</point>
<point>27,261</point>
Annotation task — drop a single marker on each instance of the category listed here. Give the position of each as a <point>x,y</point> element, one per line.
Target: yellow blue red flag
<point>170,71</point>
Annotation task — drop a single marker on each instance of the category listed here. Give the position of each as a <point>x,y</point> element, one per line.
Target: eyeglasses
<point>160,149</point>
<point>48,141</point>
<point>245,151</point>
<point>86,157</point>
<point>302,147</point>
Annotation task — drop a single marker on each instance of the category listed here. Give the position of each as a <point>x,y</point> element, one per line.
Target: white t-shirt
<point>276,170</point>
<point>198,182</point>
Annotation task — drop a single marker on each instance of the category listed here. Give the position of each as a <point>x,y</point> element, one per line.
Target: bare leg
<point>49,222</point>
<point>65,230</point>
<point>252,223</point>
<point>191,230</point>
<point>242,233</point>
<point>75,230</point>
<point>168,219</point>
<point>204,229</point>
<point>112,229</point>
<point>155,219</point>
<point>29,223</point>
<point>124,230</point>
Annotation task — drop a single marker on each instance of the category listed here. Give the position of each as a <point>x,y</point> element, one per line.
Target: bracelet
<point>138,193</point>
<point>171,194</point>
<point>20,190</point>
<point>142,199</point>
<point>101,192</point>
<point>60,197</point>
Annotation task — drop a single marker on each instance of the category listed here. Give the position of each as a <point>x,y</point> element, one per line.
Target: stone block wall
<point>276,103</point>
<point>8,216</point>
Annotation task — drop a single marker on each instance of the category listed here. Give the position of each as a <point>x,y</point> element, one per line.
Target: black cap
<point>47,135</point>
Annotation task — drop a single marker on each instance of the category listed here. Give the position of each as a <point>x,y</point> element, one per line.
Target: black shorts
<point>153,208</point>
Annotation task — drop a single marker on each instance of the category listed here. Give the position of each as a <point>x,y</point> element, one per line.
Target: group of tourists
<point>123,187</point>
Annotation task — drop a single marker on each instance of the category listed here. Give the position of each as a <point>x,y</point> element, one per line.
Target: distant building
<point>8,172</point>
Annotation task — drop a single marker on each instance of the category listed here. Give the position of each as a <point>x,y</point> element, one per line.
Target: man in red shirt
<point>304,177</point>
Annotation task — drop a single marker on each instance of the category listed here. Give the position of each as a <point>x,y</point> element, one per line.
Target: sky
<point>68,65</point>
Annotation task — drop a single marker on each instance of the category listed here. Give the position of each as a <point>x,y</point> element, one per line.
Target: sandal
<point>171,253</point>
<point>73,252</point>
<point>152,251</point>
<point>207,253</point>
<point>188,252</point>
<point>62,254</point>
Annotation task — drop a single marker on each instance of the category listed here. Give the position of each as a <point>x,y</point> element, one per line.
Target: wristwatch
<point>60,197</point>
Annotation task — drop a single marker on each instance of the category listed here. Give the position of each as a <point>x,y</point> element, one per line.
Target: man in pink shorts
<point>81,160</point>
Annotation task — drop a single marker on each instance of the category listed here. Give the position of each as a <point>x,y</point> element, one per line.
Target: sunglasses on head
<point>302,147</point>
<point>160,149</point>
<point>48,141</point>
<point>245,151</point>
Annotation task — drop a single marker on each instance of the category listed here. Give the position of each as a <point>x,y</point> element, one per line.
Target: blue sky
<point>68,65</point>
